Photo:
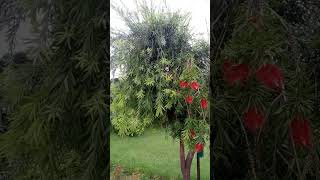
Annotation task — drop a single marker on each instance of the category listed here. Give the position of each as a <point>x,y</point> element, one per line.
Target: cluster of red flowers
<point>195,86</point>
<point>234,73</point>
<point>199,147</point>
<point>300,132</point>
<point>192,134</point>
<point>203,104</point>
<point>271,77</point>
<point>253,119</point>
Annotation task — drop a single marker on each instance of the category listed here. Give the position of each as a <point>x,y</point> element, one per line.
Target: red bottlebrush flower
<point>234,73</point>
<point>300,131</point>
<point>184,84</point>
<point>189,99</point>
<point>226,65</point>
<point>199,147</point>
<point>192,133</point>
<point>253,119</point>
<point>270,76</point>
<point>194,85</point>
<point>204,103</point>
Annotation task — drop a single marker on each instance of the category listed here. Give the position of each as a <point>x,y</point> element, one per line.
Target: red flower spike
<point>300,131</point>
<point>253,119</point>
<point>234,73</point>
<point>199,147</point>
<point>204,103</point>
<point>270,76</point>
<point>183,84</point>
<point>192,133</point>
<point>194,85</point>
<point>226,65</point>
<point>189,99</point>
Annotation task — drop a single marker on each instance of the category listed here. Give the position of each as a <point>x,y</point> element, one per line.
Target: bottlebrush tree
<point>263,106</point>
<point>164,75</point>
<point>188,120</point>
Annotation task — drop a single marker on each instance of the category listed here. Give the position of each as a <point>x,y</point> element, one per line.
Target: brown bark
<point>188,164</point>
<point>185,162</point>
<point>182,157</point>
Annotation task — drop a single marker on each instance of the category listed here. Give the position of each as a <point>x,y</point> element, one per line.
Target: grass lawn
<point>153,153</point>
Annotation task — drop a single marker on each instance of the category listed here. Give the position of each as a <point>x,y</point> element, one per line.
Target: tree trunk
<point>182,158</point>
<point>185,162</point>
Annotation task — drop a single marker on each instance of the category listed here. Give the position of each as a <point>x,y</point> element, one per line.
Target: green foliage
<point>125,120</point>
<point>200,127</point>
<point>129,124</point>
<point>270,154</point>
<point>152,56</point>
<point>58,99</point>
<point>249,45</point>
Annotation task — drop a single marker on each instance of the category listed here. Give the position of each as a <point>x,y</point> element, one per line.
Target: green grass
<point>153,153</point>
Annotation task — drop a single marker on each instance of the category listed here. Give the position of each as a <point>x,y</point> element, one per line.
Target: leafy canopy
<point>152,56</point>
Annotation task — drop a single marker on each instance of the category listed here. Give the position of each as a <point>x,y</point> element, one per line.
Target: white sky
<point>198,9</point>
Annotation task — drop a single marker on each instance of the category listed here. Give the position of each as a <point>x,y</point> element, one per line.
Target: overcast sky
<point>198,9</point>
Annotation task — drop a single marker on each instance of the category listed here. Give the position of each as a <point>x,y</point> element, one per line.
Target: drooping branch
<point>221,30</point>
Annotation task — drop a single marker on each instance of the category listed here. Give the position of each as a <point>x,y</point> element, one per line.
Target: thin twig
<point>296,158</point>
<point>248,145</point>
